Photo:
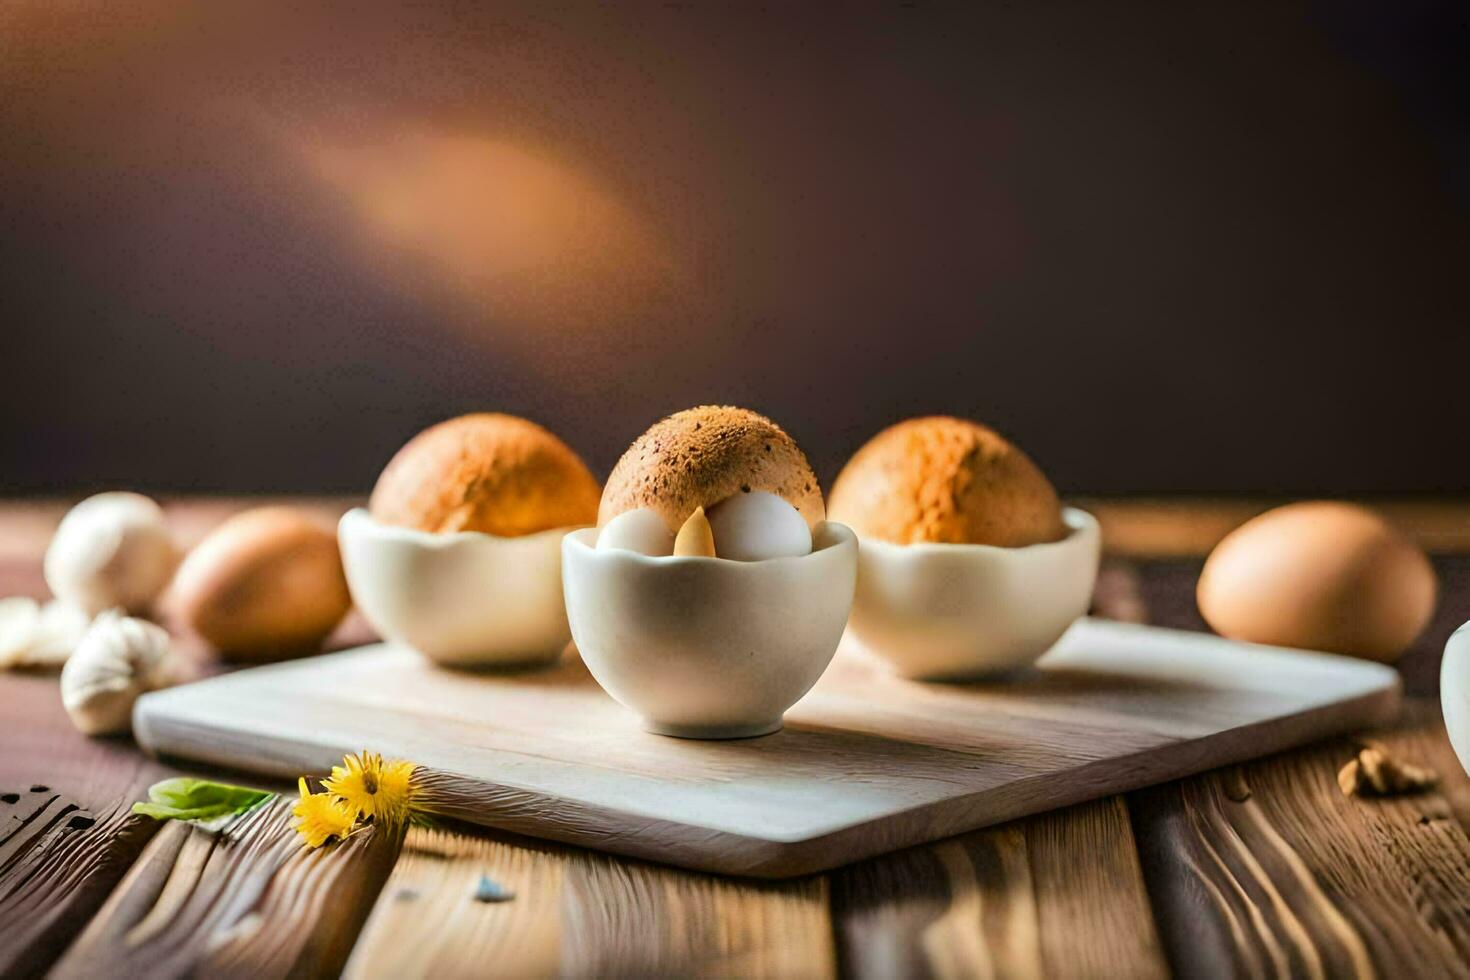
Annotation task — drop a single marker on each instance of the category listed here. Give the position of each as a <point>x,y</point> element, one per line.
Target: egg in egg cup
<point>714,592</point>
<point>458,554</point>
<point>969,565</point>
<point>1454,693</point>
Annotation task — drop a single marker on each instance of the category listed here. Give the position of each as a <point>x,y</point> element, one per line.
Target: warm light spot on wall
<point>526,238</point>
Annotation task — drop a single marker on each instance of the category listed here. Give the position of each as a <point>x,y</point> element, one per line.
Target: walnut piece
<point>1376,773</point>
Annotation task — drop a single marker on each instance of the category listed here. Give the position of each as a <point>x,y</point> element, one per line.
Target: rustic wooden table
<point>1264,868</point>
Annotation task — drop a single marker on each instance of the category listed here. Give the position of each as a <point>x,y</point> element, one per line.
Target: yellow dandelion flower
<point>372,787</point>
<point>321,816</point>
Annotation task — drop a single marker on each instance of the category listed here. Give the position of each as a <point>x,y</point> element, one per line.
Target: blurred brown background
<point>1167,247</point>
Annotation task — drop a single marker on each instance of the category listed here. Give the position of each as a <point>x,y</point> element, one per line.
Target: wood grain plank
<point>1268,868</point>
<point>67,835</point>
<point>58,862</point>
<point>1094,916</point>
<point>961,907</point>
<point>249,901</point>
<point>1057,895</point>
<point>576,913</point>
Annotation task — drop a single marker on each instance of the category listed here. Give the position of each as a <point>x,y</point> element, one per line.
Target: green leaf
<point>198,800</point>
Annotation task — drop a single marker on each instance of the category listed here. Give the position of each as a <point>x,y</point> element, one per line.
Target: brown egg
<point>700,456</point>
<point>493,473</point>
<point>948,480</point>
<point>265,584</point>
<point>1319,576</point>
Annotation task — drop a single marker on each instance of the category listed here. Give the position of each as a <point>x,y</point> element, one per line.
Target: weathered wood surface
<point>66,833</point>
<point>1058,895</point>
<point>59,860</point>
<point>583,914</point>
<point>1103,889</point>
<point>1268,869</point>
<point>248,901</point>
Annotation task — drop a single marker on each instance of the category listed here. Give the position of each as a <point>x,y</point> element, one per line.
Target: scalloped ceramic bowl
<point>707,647</point>
<point>466,599</point>
<point>932,611</point>
<point>1454,692</point>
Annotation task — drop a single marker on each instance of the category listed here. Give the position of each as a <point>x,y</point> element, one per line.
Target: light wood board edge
<point>606,828</point>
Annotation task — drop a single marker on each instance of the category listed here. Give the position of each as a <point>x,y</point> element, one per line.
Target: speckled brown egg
<point>701,456</point>
<point>948,480</point>
<point>497,474</point>
<point>265,584</point>
<point>1319,576</point>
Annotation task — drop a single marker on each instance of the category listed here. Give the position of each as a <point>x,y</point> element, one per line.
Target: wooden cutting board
<point>867,763</point>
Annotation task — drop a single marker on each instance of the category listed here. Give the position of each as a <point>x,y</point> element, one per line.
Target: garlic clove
<point>117,660</point>
<point>695,538</point>
<point>19,617</point>
<point>32,635</point>
<point>59,628</point>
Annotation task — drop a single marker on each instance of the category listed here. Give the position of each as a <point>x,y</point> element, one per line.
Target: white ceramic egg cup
<point>708,647</point>
<point>943,611</point>
<point>465,599</point>
<point>1454,692</point>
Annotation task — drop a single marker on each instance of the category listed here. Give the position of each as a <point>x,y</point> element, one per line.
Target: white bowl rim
<point>842,534</point>
<point>1079,521</point>
<point>444,539</point>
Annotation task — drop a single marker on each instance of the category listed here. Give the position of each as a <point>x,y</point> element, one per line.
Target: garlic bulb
<point>18,619</point>
<point>33,635</point>
<point>111,550</point>
<point>59,629</point>
<point>119,659</point>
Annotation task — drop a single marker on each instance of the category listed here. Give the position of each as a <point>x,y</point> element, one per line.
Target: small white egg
<point>640,530</point>
<point>758,525</point>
